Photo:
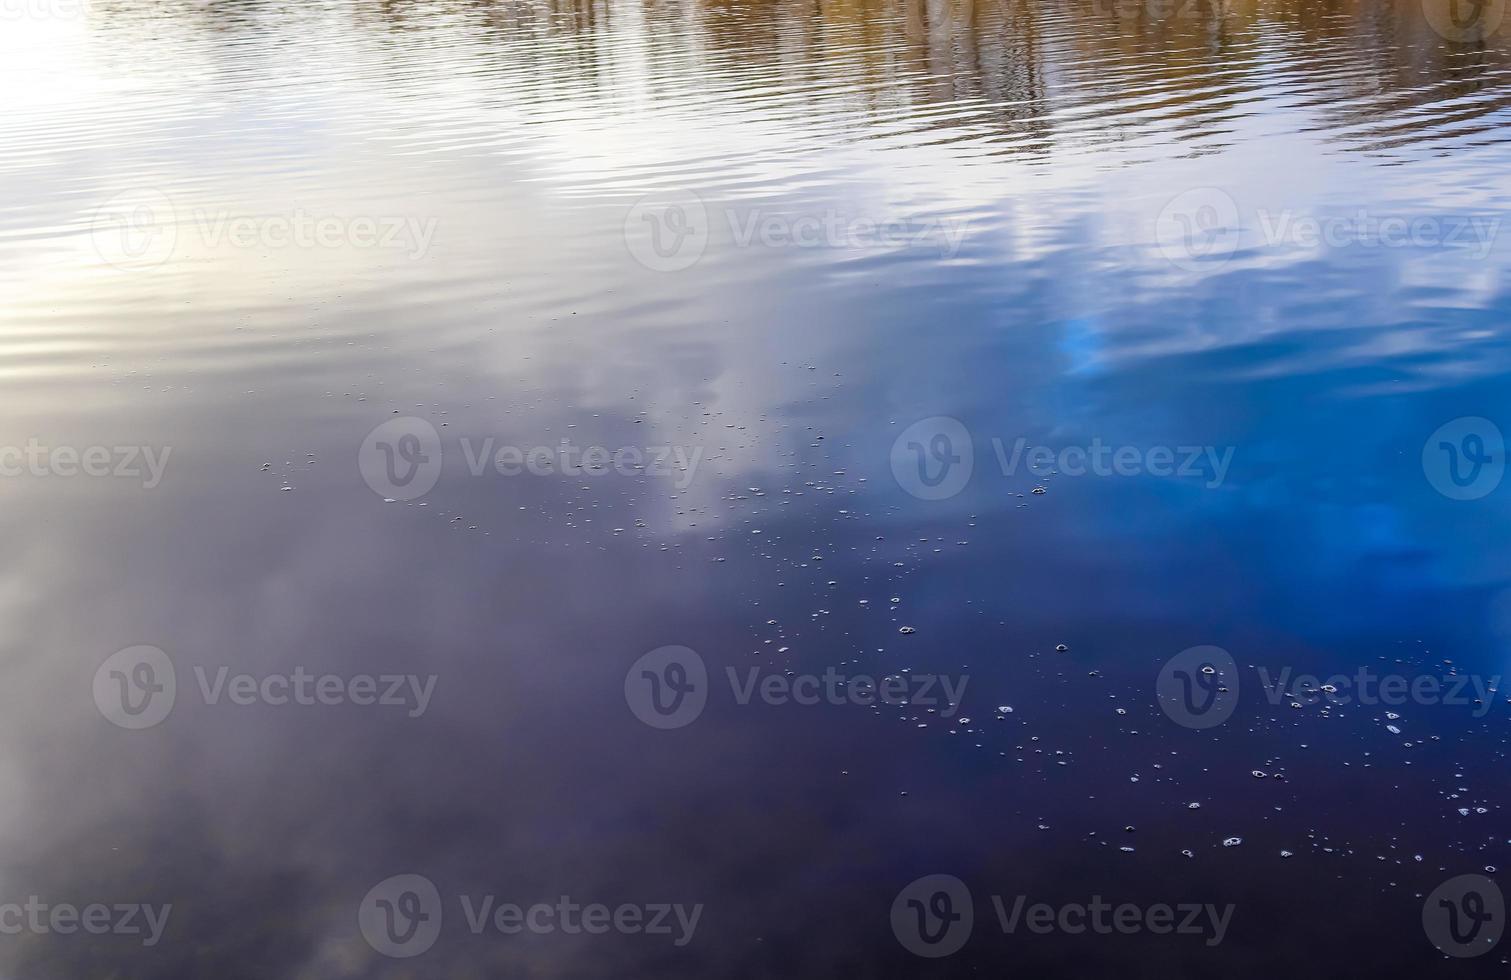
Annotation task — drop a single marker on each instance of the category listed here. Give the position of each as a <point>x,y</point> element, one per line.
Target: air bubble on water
<point>1232,841</point>
<point>1285,854</point>
<point>906,629</point>
<point>1193,806</point>
<point>1257,774</point>
<point>1392,729</point>
<point>1208,669</point>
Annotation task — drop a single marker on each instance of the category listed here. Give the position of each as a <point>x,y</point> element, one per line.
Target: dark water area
<point>944,372</point>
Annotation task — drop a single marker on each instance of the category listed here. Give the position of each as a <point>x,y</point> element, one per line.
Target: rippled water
<point>303,304</point>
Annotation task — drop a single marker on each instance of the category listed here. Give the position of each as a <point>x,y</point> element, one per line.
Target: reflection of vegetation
<point>1024,75</point>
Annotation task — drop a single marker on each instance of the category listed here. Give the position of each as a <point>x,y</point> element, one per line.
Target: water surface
<point>770,254</point>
